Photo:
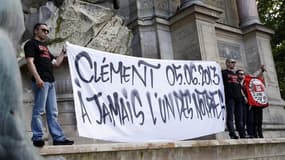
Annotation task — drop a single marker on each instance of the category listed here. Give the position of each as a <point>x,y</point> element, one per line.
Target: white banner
<point>128,99</point>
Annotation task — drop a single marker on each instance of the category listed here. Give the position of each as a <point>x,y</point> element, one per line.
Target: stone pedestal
<point>258,51</point>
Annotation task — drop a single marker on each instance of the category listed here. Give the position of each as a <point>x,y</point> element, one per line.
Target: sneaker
<point>39,143</point>
<point>63,142</point>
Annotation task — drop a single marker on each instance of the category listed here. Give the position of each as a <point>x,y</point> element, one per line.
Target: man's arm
<point>59,59</point>
<point>259,73</point>
<point>32,69</point>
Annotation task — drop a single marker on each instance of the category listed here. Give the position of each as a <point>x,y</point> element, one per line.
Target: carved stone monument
<point>163,29</point>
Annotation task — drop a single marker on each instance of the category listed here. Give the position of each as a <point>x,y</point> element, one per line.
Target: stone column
<point>247,12</point>
<point>193,33</point>
<point>150,27</point>
<point>186,3</point>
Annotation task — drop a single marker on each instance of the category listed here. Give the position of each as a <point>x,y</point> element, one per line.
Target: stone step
<point>267,148</point>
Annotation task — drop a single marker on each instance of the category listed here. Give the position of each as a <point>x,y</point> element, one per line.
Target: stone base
<point>198,149</point>
<point>267,133</point>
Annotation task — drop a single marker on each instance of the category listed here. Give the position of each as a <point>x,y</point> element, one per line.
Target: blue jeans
<point>45,99</point>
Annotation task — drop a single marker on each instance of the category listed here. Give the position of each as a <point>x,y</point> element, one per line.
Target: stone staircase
<point>253,149</point>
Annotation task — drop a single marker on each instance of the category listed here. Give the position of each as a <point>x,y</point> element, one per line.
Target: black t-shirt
<point>233,89</point>
<point>42,59</point>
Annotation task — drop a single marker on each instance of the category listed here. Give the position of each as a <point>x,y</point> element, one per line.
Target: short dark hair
<point>36,26</point>
<point>230,60</point>
<point>239,71</point>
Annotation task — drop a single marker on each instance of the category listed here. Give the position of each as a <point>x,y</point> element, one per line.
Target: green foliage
<point>272,14</point>
<point>279,56</point>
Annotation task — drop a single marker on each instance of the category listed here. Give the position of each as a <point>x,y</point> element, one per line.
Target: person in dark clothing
<point>234,99</point>
<point>257,122</point>
<point>40,63</point>
<point>254,114</point>
<point>247,110</point>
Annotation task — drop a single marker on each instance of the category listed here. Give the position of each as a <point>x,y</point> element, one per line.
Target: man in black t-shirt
<point>234,99</point>
<point>40,64</point>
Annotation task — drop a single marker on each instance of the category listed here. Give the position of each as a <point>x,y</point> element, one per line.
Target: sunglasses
<point>45,30</point>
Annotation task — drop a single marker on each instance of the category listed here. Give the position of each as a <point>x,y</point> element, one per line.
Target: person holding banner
<point>247,111</point>
<point>40,63</point>
<point>256,100</point>
<point>234,100</point>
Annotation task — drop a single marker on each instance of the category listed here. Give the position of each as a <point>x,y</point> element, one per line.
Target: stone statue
<point>14,144</point>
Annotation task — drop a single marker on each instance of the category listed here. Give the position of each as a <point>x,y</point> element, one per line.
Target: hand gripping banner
<point>129,99</point>
<point>255,91</point>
